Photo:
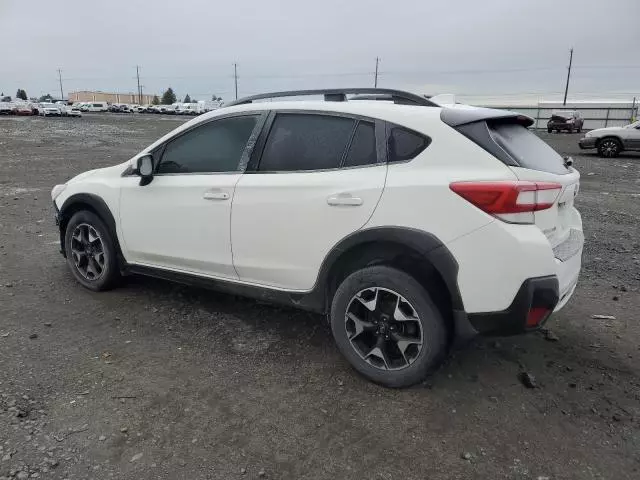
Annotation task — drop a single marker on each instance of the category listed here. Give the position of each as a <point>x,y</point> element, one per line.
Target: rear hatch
<point>538,162</point>
<point>505,135</point>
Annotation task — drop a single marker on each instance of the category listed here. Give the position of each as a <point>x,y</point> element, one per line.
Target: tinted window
<point>526,148</point>
<point>214,147</point>
<point>405,144</point>
<point>306,142</point>
<point>363,146</point>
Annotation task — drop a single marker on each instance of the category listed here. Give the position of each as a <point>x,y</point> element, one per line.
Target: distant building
<point>87,96</point>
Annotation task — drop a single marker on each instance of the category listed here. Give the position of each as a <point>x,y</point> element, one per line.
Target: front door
<point>180,221</point>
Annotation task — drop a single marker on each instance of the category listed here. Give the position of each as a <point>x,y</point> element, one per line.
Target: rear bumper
<point>587,142</point>
<point>540,292</point>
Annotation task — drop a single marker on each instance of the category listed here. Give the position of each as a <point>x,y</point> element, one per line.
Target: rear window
<point>526,149</point>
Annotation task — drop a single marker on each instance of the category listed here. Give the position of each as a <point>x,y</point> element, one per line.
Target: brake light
<point>505,198</point>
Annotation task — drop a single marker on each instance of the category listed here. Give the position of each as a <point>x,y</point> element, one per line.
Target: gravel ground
<point>155,380</point>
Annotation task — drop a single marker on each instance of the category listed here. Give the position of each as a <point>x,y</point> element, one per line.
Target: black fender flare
<point>423,243</point>
<point>95,203</point>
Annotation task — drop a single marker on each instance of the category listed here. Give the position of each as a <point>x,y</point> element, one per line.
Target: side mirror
<point>145,169</point>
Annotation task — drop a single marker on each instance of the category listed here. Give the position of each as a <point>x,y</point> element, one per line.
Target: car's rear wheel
<point>91,252</point>
<point>609,147</point>
<point>387,326</point>
<point>549,130</point>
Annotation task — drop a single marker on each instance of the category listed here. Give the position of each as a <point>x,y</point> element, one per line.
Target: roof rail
<point>340,95</point>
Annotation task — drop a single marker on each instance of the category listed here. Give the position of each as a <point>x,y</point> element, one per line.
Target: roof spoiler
<point>456,116</point>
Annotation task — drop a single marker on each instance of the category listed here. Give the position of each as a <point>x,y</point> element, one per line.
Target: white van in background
<point>97,107</point>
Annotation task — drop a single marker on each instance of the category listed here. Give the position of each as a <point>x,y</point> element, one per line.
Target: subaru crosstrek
<point>409,224</point>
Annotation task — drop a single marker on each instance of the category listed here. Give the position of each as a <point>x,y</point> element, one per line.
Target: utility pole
<point>375,81</point>
<point>60,80</point>
<point>235,77</point>
<point>566,88</point>
<point>633,110</point>
<point>139,90</point>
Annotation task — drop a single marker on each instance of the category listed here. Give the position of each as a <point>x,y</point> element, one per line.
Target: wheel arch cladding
<point>420,254</point>
<point>92,203</point>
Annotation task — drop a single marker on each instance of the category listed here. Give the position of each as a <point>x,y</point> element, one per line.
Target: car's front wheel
<point>609,147</point>
<point>387,326</point>
<point>91,251</point>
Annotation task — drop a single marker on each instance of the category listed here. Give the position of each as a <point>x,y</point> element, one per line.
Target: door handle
<point>344,199</point>
<point>215,196</point>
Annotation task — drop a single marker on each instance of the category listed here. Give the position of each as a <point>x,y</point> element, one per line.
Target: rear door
<point>316,178</point>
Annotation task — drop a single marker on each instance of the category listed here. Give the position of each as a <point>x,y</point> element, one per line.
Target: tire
<point>85,225</point>
<point>579,130</point>
<point>395,368</point>
<point>609,147</point>
<point>549,130</point>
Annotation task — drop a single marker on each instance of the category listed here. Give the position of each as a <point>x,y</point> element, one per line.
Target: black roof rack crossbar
<point>340,95</point>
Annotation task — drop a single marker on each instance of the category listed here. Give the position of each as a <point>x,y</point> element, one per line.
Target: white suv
<point>409,224</point>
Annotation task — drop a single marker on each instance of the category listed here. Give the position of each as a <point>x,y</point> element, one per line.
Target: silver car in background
<point>610,141</point>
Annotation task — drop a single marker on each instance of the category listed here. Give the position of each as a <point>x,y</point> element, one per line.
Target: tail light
<point>510,201</point>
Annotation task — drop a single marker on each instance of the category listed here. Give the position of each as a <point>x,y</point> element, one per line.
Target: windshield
<point>47,105</point>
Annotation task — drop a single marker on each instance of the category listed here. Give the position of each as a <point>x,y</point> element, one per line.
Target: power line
<point>139,89</point>
<point>235,77</point>
<point>566,88</point>
<point>60,80</point>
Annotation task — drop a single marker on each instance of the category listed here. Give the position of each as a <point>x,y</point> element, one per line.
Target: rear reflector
<point>506,197</point>
<point>537,315</point>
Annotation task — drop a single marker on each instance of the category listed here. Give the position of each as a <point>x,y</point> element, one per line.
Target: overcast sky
<point>505,49</point>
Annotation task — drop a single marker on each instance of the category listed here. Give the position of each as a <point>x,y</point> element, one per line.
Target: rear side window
<point>363,146</point>
<point>526,149</point>
<point>405,144</point>
<point>306,142</point>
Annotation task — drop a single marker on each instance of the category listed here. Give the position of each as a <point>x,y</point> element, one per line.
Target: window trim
<point>379,125</point>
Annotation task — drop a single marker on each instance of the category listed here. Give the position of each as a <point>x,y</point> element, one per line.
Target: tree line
<point>168,97</point>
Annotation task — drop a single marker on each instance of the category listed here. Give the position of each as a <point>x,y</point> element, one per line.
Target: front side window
<point>216,146</point>
<point>306,142</point>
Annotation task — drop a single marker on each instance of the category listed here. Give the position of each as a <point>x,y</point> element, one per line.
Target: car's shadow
<point>287,334</point>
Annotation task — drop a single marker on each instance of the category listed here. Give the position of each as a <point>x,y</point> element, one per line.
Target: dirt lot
<point>155,380</point>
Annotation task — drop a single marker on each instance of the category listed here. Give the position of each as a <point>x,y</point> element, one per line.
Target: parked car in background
<point>611,141</point>
<point>47,109</point>
<point>168,109</point>
<point>569,120</point>
<point>6,108</point>
<point>23,109</point>
<point>215,201</point>
<point>74,112</point>
<point>144,108</point>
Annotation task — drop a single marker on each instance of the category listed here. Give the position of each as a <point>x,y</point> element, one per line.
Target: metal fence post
<point>606,120</point>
